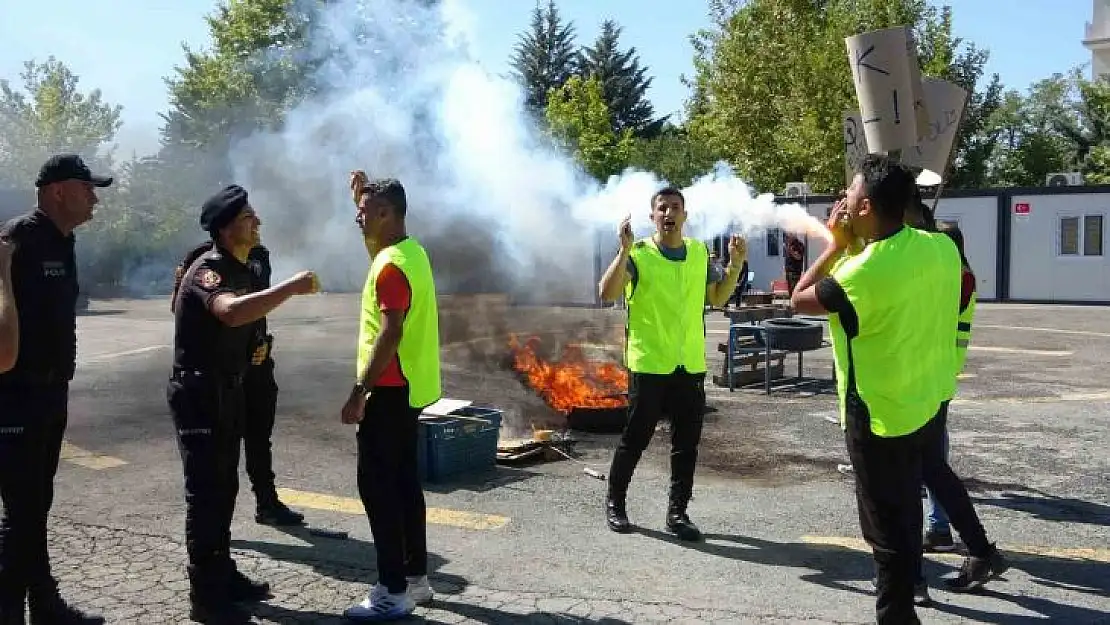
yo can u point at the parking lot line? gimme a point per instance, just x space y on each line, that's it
90 460
1053 330
1014 350
1065 553
351 505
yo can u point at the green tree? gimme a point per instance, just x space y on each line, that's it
673 155
50 115
579 121
772 81
544 57
624 81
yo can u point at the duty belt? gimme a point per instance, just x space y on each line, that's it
222 377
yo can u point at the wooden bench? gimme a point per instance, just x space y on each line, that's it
742 361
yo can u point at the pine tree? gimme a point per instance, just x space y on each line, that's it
624 82
544 56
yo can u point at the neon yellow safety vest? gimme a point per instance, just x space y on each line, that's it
666 309
963 333
418 351
898 356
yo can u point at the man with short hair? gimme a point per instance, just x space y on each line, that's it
397 375
666 280
34 394
893 310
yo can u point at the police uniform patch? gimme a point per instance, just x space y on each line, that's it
207 278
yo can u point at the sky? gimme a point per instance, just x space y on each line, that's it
127 52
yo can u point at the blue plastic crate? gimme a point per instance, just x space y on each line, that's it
464 441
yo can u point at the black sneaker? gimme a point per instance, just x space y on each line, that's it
975 572
277 513
937 542
681 526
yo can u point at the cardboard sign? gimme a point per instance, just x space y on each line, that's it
855 144
945 102
884 82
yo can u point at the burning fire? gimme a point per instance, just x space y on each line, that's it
573 381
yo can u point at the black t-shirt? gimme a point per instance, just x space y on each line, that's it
44 282
201 341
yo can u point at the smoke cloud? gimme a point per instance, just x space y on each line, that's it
496 205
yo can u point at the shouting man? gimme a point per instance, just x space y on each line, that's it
666 279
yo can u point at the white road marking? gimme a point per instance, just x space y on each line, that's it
1014 350
130 352
1054 330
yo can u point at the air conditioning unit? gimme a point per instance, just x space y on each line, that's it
797 189
1068 179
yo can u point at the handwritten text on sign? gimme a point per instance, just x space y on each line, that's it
883 81
945 102
855 144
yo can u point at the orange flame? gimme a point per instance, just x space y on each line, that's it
573 381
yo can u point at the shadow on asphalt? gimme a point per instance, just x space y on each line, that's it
343 559
837 567
278 614
1046 507
497 476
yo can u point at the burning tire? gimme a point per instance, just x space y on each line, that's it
792 334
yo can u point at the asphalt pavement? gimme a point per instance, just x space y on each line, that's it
1030 431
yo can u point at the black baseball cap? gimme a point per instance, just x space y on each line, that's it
62 167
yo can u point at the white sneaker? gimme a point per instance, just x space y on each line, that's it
380 605
420 590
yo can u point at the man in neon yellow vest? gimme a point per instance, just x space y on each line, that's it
397 375
666 280
892 309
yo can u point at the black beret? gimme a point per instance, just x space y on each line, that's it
222 208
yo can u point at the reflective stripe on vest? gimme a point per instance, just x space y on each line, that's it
963 333
418 351
666 309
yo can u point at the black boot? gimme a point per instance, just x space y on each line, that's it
680 525
271 511
616 515
210 599
47 607
243 588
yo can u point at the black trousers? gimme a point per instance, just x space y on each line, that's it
680 395
32 425
888 473
261 392
389 485
208 413
948 489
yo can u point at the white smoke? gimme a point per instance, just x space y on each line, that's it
402 97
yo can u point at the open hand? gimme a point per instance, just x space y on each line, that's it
260 354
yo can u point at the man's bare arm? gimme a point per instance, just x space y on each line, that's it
385 348
614 279
717 293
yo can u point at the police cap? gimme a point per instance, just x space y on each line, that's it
222 208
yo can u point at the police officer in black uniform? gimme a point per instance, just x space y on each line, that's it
34 395
261 392
215 316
